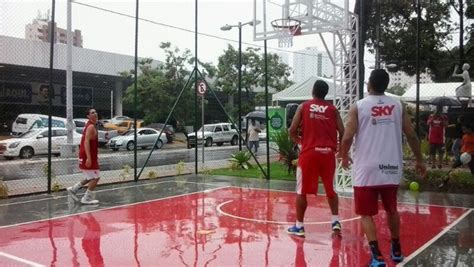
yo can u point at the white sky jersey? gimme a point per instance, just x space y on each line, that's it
378 143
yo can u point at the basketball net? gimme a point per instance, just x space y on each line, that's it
286 34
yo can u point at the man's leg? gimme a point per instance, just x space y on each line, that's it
327 169
389 201
72 190
366 205
301 205
433 155
441 151
393 220
370 230
93 177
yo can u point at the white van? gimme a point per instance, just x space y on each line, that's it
26 122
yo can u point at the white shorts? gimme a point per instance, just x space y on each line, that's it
91 174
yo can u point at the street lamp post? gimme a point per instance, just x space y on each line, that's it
228 27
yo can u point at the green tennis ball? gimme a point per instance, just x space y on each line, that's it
414 186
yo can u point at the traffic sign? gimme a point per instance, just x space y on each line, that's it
201 88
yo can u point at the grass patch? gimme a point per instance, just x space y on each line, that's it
278 171
461 181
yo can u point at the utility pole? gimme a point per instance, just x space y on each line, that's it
377 35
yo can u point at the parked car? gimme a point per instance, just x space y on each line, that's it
104 134
146 137
218 133
123 126
119 119
168 130
35 142
28 121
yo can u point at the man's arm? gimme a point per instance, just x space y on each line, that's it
295 124
414 143
349 133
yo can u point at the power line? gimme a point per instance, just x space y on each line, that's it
188 30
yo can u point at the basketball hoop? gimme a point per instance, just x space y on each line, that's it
286 29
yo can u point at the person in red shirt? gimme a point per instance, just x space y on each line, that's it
467 146
315 126
88 160
437 124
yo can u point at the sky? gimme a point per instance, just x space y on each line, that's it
114 33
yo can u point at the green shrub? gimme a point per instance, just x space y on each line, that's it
241 160
286 149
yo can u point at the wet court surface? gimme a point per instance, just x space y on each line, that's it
219 221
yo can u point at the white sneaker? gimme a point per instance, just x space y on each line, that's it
88 200
72 194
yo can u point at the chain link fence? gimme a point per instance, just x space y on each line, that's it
164 101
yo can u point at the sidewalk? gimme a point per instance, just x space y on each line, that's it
39 184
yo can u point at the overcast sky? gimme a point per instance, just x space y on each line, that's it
115 33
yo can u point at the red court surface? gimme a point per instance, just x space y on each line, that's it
229 226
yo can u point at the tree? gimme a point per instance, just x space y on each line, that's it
397 90
253 73
398 35
159 87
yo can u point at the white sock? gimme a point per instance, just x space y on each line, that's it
89 194
76 187
335 218
299 224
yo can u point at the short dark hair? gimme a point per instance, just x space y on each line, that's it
379 80
88 111
320 89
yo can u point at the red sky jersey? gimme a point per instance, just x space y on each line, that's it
318 125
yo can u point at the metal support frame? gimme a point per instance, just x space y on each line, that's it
321 16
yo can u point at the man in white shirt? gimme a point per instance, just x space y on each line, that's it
253 141
377 122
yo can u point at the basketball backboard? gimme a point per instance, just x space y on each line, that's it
287 18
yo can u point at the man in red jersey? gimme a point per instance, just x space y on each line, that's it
88 161
437 124
316 126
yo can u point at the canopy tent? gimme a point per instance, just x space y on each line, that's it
429 91
303 91
299 92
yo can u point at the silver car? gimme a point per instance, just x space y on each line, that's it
35 142
146 137
217 133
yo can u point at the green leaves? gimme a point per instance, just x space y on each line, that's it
286 149
241 160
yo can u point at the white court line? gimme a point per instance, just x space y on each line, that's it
219 209
427 244
18 259
114 207
100 190
399 202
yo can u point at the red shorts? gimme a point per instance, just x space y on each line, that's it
366 199
312 165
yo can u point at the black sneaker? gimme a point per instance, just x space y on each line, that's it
336 227
396 252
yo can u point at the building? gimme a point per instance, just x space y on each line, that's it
311 62
24 73
38 30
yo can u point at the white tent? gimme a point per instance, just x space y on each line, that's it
303 91
431 90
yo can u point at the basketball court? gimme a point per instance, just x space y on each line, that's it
220 221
